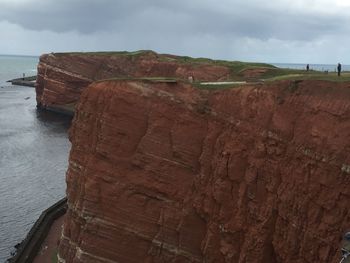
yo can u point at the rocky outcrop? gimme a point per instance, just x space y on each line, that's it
163 172
62 76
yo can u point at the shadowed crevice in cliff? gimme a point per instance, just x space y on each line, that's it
258 176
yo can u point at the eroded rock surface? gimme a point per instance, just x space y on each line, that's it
62 76
163 172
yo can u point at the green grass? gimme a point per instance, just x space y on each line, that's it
107 53
236 68
150 79
234 64
69 106
54 258
276 72
216 86
345 76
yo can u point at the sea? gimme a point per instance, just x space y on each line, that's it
34 149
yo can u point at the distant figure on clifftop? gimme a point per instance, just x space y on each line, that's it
307 67
339 69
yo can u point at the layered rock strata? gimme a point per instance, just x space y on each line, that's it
163 172
62 76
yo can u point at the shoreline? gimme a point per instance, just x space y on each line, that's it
29 248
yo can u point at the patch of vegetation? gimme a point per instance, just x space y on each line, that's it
107 53
216 86
237 69
68 107
294 86
277 72
235 66
345 76
54 258
150 79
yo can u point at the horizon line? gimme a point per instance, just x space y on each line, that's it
295 63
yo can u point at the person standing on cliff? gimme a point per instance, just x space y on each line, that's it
339 69
307 67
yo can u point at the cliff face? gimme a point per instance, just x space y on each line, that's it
62 77
162 172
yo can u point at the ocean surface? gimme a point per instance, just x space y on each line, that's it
33 155
318 67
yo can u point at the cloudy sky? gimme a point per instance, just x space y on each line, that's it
305 31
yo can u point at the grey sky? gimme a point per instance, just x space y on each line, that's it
313 31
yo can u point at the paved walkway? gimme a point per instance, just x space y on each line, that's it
48 248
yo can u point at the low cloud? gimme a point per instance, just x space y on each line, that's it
244 29
241 18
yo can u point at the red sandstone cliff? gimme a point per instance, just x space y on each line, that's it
162 172
62 76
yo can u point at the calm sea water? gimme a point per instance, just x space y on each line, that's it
33 155
318 67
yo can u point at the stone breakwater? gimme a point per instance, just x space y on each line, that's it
25 81
165 172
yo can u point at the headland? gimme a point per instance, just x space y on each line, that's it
166 167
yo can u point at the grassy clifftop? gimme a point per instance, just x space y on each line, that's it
239 71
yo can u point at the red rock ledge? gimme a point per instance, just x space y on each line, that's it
163 172
62 76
